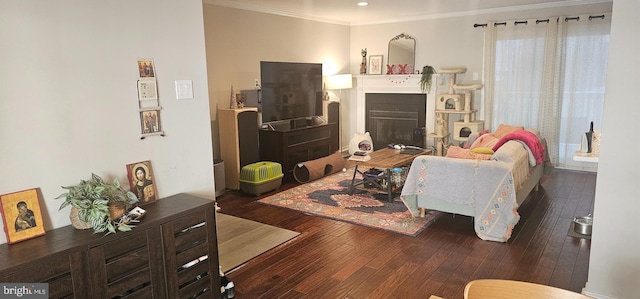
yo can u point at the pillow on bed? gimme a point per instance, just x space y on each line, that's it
462 153
482 150
472 137
506 129
486 140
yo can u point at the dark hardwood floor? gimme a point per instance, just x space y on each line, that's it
332 259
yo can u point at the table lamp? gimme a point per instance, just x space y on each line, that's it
340 82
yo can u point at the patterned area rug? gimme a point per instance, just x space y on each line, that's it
328 197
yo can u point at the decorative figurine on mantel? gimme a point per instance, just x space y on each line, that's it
363 64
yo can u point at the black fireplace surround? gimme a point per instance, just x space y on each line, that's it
396 118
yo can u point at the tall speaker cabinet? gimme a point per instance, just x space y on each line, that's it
331 114
238 130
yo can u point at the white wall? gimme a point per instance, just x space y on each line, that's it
614 262
68 104
237 40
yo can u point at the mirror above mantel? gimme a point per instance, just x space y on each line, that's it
401 55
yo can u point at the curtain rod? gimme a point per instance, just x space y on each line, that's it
567 19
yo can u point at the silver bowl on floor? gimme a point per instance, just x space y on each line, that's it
583 225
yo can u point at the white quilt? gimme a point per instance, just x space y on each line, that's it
487 185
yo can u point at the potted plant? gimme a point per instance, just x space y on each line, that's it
99 204
425 80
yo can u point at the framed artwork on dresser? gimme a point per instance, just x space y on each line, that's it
21 215
142 182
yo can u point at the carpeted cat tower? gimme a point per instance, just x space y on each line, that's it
312 170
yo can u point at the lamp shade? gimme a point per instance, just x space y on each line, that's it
341 81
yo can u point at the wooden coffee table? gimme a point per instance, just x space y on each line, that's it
384 159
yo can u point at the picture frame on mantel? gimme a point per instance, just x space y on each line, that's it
375 65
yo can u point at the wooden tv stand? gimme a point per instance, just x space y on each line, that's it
290 146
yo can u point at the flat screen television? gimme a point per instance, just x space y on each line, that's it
290 90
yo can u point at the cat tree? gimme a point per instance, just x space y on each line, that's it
456 101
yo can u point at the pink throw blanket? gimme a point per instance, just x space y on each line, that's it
529 138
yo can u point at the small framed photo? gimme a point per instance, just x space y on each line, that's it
375 65
142 182
146 68
147 90
150 120
21 215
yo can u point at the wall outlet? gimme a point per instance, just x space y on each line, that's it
257 83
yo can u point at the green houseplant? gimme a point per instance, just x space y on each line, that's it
99 203
425 80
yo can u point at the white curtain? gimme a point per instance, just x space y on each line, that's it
549 75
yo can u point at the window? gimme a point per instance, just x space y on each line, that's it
550 76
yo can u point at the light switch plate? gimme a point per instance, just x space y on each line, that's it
184 89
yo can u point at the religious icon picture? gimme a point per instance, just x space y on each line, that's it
145 68
150 121
142 182
21 215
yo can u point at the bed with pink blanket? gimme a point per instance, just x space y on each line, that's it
489 189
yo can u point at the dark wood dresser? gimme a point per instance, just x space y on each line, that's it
154 260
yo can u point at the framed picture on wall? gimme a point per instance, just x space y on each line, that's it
21 215
146 68
147 90
375 65
142 182
150 120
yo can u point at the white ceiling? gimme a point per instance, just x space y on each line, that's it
346 12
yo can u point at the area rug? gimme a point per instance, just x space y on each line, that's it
328 197
240 240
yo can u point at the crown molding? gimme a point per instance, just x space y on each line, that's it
558 4
263 9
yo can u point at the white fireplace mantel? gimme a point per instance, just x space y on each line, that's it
390 84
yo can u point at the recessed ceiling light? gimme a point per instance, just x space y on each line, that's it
363 3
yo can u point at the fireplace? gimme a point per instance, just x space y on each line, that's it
396 118
392 85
